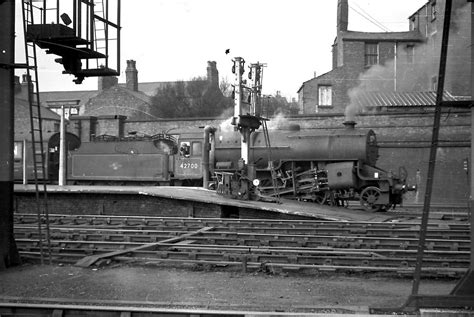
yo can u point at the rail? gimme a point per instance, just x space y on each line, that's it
264 245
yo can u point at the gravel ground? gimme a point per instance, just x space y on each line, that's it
195 288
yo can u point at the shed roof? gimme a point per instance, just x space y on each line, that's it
399 99
48 98
407 36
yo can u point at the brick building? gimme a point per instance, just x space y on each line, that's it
119 100
113 102
428 21
50 122
131 99
390 61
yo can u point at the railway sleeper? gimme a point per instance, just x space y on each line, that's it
250 262
309 242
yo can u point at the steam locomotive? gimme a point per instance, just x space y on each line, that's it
327 167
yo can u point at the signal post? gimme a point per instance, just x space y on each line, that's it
244 121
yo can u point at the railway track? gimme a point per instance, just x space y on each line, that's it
267 245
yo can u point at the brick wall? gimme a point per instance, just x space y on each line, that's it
340 79
116 204
404 140
138 205
110 125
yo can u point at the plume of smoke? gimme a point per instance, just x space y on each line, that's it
277 122
376 78
226 126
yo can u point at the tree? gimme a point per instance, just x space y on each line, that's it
273 105
226 88
194 98
169 101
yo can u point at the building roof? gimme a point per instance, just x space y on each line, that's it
333 73
46 113
145 92
149 88
50 98
399 99
138 94
408 36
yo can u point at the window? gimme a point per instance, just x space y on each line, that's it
371 54
185 149
413 24
433 10
73 110
197 148
410 54
325 96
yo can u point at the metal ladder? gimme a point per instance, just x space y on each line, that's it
39 155
100 29
270 162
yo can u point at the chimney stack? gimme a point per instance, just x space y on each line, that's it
131 75
26 83
212 74
342 15
17 84
24 78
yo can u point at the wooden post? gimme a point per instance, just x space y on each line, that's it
62 151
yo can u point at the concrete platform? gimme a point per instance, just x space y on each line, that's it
288 209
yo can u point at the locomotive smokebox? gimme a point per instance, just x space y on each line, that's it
349 124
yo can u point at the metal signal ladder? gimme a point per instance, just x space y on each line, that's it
39 154
100 29
270 162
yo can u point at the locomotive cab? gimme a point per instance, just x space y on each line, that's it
188 161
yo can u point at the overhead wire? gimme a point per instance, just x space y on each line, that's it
369 18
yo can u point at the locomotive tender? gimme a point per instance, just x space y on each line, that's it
327 167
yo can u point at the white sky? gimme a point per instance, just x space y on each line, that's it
173 39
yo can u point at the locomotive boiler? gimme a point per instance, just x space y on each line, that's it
327 167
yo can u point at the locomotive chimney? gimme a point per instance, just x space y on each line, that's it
349 124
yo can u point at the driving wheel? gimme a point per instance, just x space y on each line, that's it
369 197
